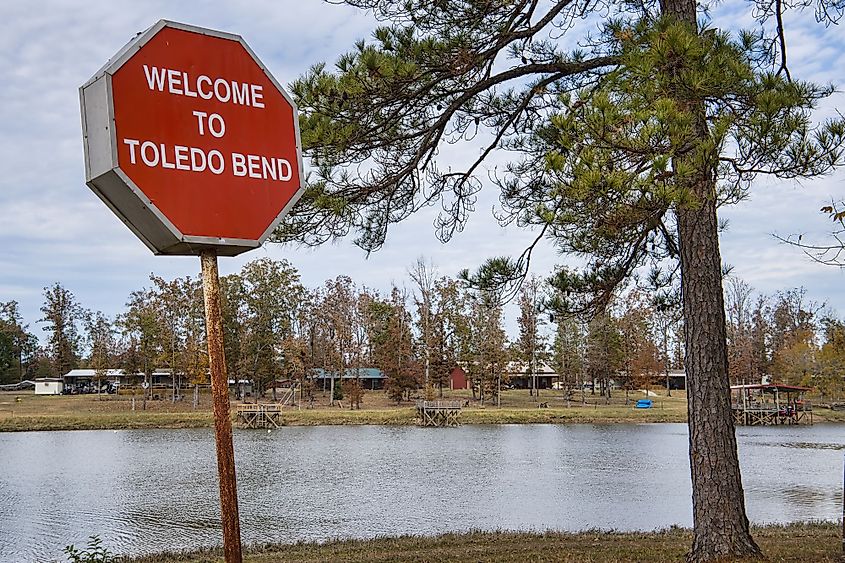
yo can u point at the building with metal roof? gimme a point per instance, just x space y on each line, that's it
372 378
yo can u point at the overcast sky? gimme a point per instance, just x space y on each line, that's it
53 228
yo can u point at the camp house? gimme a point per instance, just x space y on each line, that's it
676 378
517 375
520 375
370 378
86 381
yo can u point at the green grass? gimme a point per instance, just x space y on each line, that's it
827 415
106 421
814 542
401 416
573 415
25 411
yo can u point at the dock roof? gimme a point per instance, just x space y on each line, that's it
352 373
771 387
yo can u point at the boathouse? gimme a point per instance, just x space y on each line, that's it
770 404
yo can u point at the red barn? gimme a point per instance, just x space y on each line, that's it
458 379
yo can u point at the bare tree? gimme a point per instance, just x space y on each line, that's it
423 275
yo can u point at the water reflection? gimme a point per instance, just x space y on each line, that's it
145 491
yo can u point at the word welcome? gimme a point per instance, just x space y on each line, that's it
179 83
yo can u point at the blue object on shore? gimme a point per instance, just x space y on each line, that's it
644 404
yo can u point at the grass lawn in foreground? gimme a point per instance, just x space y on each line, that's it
810 543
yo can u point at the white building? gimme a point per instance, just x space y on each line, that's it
49 386
77 377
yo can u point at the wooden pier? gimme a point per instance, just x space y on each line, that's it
438 413
259 415
770 405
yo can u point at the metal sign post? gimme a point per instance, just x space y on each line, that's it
220 401
194 145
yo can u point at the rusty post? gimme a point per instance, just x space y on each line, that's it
220 400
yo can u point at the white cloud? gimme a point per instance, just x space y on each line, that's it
54 229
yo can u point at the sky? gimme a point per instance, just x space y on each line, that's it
54 229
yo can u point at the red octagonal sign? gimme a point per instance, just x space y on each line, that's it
191 141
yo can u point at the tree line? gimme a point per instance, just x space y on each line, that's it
277 329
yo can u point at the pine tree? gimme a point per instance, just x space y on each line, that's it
531 347
272 294
605 354
568 353
487 355
630 144
101 338
18 347
63 316
145 342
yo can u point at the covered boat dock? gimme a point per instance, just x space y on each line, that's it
770 404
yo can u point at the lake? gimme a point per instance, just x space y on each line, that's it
152 490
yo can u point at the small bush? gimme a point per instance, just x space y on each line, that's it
338 392
95 552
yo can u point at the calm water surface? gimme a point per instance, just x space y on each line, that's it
151 490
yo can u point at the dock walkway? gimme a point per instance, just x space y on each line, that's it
438 413
259 415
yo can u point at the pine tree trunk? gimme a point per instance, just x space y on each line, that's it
720 524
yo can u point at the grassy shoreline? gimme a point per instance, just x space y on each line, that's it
395 417
20 412
817 542
383 417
